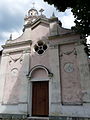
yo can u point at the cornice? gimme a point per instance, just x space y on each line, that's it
17 43
53 19
51 37
38 22
64 39
25 50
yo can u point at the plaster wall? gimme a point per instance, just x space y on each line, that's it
17 48
13 93
39 74
37 33
84 73
74 110
40 59
69 88
70 76
15 66
55 81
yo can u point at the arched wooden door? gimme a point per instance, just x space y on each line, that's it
40 98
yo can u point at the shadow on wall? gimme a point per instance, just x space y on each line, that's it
15 97
16 82
15 94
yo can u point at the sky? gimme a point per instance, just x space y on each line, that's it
12 13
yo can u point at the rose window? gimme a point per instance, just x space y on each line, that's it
40 47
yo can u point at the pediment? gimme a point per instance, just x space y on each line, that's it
37 22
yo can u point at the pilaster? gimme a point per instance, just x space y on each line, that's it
55 90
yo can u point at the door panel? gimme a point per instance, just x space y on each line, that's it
40 99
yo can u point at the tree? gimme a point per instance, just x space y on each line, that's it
81 12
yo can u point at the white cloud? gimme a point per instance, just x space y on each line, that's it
88 40
12 16
16 34
67 19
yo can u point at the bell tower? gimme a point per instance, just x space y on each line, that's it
31 16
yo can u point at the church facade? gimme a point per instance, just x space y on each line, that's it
44 73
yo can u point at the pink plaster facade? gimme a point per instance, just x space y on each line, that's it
39 74
12 82
70 76
61 64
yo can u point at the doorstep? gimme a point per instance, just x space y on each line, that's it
38 118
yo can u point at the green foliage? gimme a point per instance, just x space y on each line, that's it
81 12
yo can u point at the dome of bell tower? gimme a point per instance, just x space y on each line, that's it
32 12
31 16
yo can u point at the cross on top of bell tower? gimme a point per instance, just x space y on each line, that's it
32 15
33 11
33 4
41 11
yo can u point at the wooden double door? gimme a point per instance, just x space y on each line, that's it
40 98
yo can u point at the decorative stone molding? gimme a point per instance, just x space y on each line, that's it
14 43
53 46
5 54
24 50
14 72
64 39
40 47
54 19
68 67
69 52
38 67
16 58
36 23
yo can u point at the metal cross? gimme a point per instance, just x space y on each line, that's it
41 11
33 4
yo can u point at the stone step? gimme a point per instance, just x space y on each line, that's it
38 118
